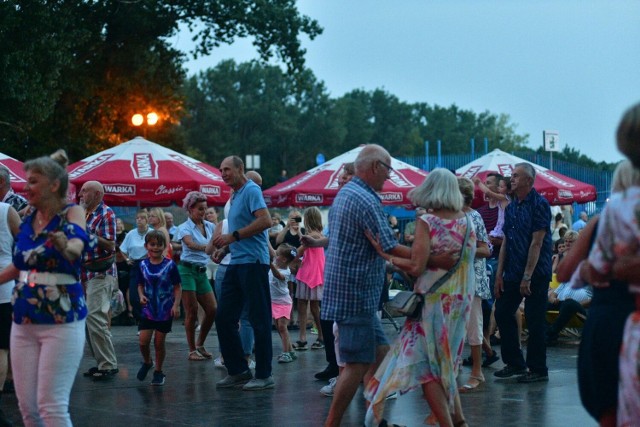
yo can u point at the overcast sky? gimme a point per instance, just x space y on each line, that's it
566 65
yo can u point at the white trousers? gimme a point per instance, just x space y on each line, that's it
45 362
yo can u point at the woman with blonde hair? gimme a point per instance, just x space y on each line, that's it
49 307
428 351
159 223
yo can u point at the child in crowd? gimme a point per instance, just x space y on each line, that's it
309 280
501 198
281 302
159 290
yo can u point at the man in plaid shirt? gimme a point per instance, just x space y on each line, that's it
99 280
355 275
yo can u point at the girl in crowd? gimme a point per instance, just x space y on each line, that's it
502 198
194 235
309 280
49 311
428 350
133 249
279 276
158 222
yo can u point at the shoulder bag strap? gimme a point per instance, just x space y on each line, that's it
441 281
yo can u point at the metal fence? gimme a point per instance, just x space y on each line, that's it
598 178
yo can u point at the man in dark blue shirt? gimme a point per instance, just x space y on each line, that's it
524 270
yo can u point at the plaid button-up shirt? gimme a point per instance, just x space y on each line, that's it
101 222
354 273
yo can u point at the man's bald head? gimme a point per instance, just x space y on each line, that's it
91 194
373 165
254 176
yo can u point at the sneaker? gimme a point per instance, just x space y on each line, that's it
510 371
218 362
328 389
234 380
300 346
314 330
533 377
285 358
293 355
158 378
144 370
490 360
259 384
318 345
252 364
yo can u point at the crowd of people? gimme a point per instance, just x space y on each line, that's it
479 274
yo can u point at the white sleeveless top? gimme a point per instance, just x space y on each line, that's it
6 249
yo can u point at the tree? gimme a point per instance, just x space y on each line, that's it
80 69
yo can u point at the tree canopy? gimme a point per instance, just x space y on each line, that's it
74 72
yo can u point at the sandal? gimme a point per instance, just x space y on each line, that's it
204 352
195 356
469 387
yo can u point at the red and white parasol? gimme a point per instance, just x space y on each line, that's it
16 172
143 173
555 187
319 186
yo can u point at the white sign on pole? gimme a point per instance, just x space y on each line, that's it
252 161
551 140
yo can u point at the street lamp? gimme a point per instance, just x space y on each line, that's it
139 120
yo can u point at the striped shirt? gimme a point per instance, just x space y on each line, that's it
354 273
101 222
565 292
521 219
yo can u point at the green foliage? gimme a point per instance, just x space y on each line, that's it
74 72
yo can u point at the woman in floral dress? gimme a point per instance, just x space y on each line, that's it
49 308
427 352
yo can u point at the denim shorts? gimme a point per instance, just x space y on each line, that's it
359 337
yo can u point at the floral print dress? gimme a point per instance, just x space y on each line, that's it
430 349
42 304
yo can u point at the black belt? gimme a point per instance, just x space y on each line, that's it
197 267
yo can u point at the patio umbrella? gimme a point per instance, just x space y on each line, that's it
319 186
16 172
555 187
143 173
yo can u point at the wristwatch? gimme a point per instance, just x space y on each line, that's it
526 278
236 235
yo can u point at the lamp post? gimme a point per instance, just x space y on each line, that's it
139 120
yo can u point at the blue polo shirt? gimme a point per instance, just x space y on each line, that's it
521 220
354 272
244 203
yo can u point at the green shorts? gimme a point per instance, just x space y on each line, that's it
194 278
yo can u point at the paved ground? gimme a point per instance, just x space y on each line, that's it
190 398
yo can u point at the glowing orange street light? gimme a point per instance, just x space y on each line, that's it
138 120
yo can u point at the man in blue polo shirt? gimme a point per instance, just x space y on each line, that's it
524 270
246 279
